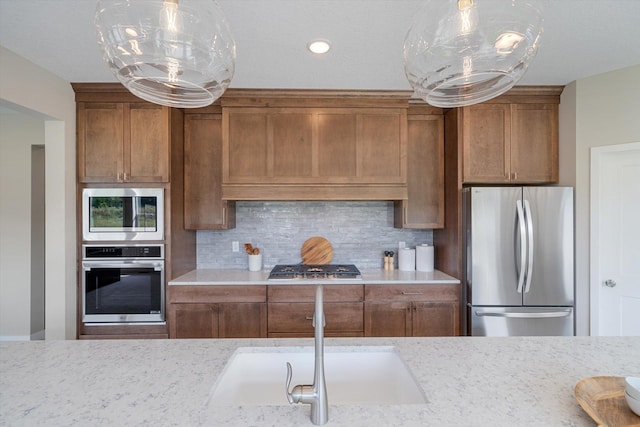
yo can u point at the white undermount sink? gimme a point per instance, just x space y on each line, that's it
354 375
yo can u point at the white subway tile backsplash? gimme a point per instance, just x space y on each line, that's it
359 232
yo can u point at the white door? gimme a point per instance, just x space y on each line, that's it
615 240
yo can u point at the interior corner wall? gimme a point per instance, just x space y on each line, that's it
607 112
18 133
36 90
567 177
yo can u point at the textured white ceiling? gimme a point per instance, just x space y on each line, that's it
581 38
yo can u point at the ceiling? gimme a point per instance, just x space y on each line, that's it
581 38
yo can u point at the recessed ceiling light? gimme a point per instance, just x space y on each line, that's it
319 46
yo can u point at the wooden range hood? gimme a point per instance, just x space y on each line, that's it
314 145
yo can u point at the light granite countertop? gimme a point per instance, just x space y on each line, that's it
369 277
469 381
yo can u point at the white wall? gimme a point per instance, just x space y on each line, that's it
38 92
18 132
606 112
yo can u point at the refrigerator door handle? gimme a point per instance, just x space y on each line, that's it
523 245
529 273
521 315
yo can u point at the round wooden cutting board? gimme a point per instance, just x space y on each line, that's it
316 250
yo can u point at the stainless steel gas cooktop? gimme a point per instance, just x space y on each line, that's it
306 271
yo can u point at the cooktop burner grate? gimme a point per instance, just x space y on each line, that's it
304 271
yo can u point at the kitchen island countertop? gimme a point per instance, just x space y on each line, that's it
369 277
469 381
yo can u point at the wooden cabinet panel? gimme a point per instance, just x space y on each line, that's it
435 319
380 142
243 320
297 318
204 208
223 320
217 311
247 156
219 293
147 154
123 142
514 143
387 319
424 209
100 142
412 310
336 145
292 144
534 146
194 321
307 293
291 309
486 141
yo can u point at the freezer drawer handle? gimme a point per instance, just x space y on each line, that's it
536 315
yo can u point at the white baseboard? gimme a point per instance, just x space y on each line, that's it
36 336
15 338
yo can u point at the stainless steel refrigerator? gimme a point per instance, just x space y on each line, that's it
519 260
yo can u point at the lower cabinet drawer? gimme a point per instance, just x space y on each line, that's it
342 319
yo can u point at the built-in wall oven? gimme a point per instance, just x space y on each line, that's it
123 284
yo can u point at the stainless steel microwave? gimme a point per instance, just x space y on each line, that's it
122 214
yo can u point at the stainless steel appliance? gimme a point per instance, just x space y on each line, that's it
123 284
519 260
309 271
122 214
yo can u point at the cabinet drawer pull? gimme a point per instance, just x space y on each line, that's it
411 293
308 318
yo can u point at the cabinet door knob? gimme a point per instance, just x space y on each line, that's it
610 283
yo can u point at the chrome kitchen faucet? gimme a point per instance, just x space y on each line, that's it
315 394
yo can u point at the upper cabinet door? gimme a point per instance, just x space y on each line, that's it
122 142
204 208
424 209
534 143
381 139
510 143
100 142
486 143
147 136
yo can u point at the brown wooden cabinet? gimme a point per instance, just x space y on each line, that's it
123 142
304 148
217 311
218 320
281 311
203 204
424 208
412 310
510 143
291 308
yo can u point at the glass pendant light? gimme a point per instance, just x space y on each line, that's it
178 53
462 52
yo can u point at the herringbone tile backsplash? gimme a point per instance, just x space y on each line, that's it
359 231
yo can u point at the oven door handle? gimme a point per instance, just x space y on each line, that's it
157 266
